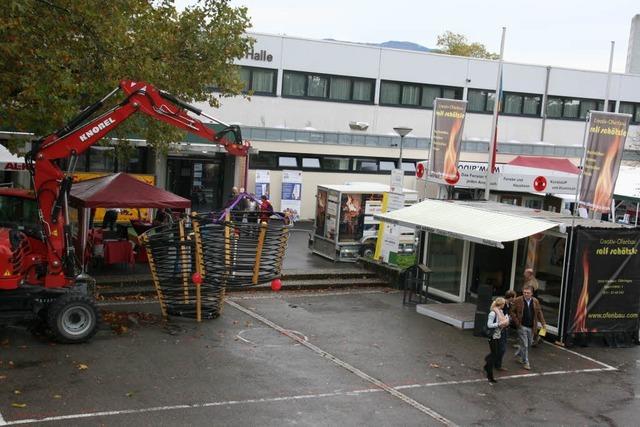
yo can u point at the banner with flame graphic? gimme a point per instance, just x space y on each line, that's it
446 138
605 142
604 294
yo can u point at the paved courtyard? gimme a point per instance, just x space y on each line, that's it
351 357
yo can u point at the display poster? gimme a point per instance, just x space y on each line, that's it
291 195
396 185
372 206
321 212
263 183
351 217
124 214
606 135
605 282
446 140
331 216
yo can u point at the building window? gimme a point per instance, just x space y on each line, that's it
521 104
335 163
574 108
259 81
390 93
294 84
332 88
311 162
480 100
365 165
287 162
340 88
263 160
633 109
415 95
386 165
317 86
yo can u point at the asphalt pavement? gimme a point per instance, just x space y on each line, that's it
322 358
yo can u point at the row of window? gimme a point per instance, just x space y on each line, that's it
263 81
268 160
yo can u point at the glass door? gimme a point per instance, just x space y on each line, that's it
491 266
446 256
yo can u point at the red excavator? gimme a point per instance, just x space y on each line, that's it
39 275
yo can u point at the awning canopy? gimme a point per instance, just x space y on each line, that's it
547 163
628 184
123 191
486 226
10 162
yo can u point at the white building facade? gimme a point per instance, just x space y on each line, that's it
328 109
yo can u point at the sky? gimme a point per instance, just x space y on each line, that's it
563 33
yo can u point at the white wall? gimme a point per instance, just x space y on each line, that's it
310 182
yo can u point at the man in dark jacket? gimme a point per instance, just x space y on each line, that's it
526 314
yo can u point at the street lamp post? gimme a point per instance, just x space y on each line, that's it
402 131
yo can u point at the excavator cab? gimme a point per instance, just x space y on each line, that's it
19 211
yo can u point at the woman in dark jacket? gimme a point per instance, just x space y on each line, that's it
496 322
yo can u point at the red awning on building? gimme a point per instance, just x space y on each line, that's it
561 165
123 191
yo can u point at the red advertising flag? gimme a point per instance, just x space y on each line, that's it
606 135
446 138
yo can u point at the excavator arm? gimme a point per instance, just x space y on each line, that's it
52 185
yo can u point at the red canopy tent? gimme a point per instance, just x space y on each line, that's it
119 190
561 165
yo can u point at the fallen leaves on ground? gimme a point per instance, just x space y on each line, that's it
434 365
82 367
122 321
19 405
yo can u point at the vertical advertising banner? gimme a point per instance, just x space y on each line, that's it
605 141
291 193
446 138
605 285
263 183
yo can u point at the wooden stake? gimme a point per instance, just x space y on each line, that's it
199 266
184 259
256 263
156 280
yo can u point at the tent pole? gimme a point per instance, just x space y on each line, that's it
86 218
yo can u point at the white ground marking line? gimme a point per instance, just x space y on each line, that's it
277 399
187 406
419 406
249 342
506 377
590 359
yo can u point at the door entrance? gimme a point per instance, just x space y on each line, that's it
200 180
490 266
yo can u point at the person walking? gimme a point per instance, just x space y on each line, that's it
509 296
497 322
526 314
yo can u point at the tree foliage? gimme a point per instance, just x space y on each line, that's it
457 44
58 56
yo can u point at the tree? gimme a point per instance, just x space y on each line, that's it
58 56
457 44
